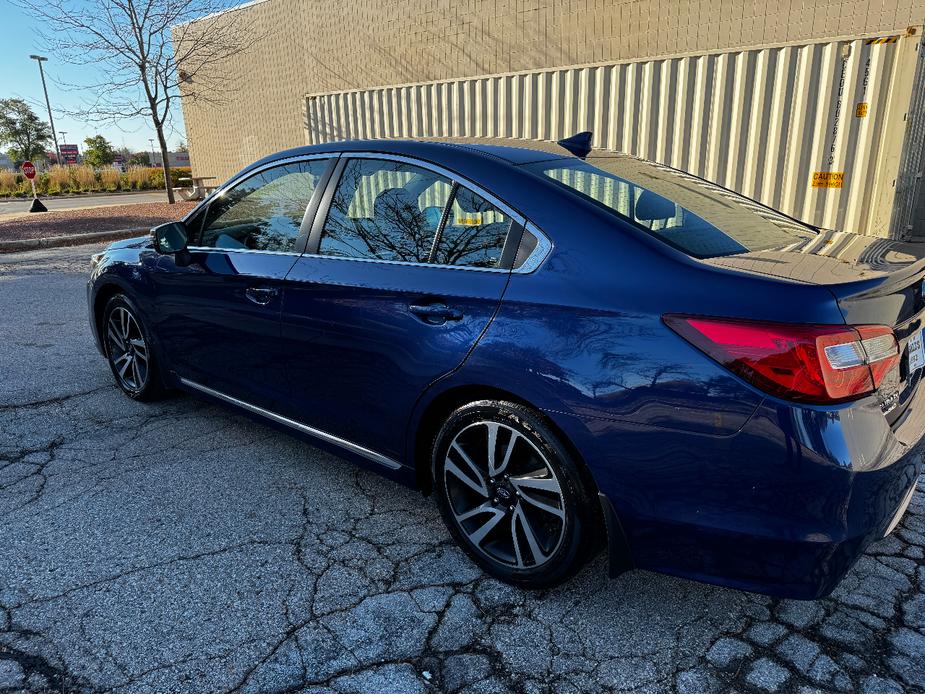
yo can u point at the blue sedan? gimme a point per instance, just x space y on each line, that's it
568 348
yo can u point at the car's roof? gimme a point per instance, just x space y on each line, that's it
515 152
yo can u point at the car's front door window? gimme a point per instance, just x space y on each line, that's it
264 212
385 210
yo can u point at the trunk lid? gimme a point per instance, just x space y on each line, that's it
875 281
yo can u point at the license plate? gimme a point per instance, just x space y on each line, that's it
916 347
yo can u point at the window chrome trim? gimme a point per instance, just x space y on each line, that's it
232 182
539 254
412 263
213 249
311 431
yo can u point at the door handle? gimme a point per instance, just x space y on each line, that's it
261 295
435 314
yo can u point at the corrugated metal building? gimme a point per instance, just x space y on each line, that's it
816 109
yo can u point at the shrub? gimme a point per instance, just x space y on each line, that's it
155 178
178 173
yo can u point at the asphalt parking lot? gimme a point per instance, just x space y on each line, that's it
182 547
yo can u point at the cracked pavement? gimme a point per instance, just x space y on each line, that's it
181 547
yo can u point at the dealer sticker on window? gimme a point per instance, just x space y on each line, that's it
916 347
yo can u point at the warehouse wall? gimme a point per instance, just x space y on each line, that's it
314 46
814 130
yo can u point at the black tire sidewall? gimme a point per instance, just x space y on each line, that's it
152 387
572 550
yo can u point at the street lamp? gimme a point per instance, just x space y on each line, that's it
151 142
41 59
62 133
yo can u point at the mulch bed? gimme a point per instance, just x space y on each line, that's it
68 222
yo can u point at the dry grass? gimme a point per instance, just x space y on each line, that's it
58 179
9 183
109 179
138 177
83 178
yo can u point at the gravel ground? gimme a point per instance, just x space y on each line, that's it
181 547
111 218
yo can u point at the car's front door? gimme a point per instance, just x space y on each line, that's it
218 315
398 282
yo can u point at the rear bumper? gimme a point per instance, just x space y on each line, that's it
785 506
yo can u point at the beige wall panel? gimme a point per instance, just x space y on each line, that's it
763 122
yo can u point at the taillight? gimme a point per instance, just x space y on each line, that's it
806 363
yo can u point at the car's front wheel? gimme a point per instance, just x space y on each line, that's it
511 494
128 350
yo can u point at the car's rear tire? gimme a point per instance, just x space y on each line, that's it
512 495
129 350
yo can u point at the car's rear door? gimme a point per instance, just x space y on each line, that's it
404 271
218 311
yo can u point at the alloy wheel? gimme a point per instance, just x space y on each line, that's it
504 495
128 351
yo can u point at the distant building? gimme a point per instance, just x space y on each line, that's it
5 162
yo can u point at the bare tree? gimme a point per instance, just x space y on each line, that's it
144 52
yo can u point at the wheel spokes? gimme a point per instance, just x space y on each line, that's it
508 451
136 374
114 336
538 555
492 444
487 527
478 484
557 512
126 360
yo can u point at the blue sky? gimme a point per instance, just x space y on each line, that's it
19 77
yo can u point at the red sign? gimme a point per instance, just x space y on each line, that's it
69 154
28 170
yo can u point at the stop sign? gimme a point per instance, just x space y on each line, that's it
28 170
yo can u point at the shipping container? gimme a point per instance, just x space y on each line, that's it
832 133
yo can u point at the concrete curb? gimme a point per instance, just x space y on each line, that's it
19 245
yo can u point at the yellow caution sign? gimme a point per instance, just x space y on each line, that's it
469 219
828 179
861 110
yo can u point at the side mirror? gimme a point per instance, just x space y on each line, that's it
170 237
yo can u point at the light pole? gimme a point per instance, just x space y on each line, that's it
151 142
62 133
41 59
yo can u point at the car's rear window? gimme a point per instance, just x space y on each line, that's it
694 216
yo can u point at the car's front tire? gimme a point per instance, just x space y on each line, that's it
129 350
511 494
